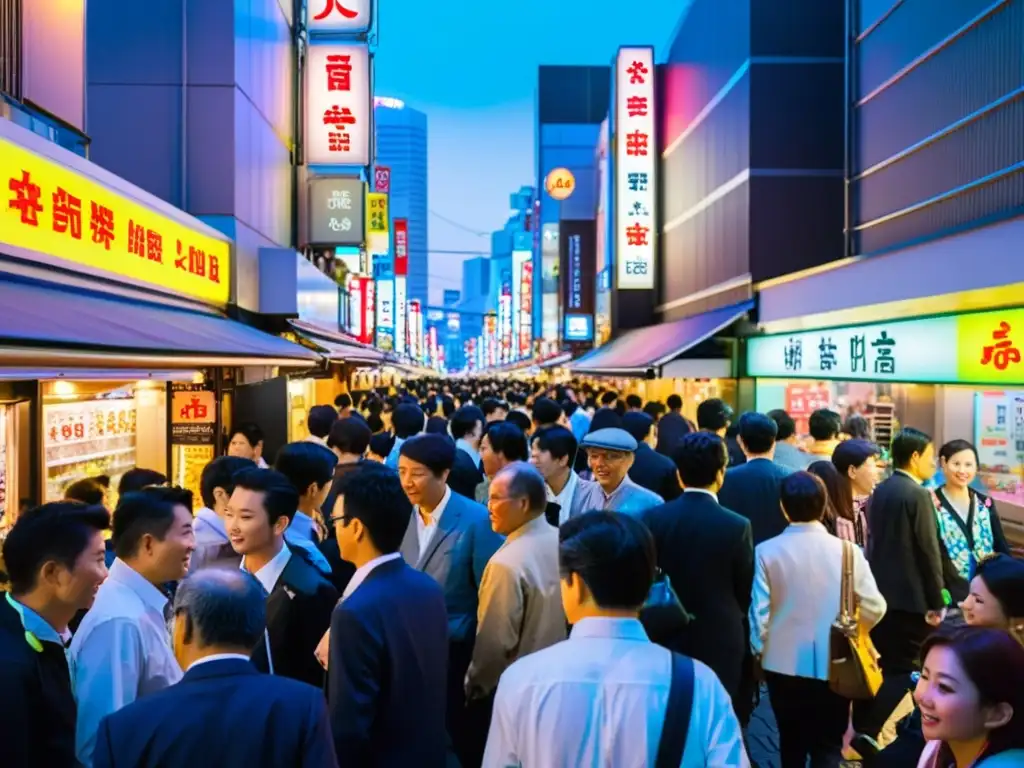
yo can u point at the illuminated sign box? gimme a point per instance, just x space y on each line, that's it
338 106
976 348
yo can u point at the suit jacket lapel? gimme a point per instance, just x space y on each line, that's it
449 522
410 548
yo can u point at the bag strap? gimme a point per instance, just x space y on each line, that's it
846 589
677 714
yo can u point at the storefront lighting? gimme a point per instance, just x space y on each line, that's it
63 388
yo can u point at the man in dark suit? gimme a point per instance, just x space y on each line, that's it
903 551
223 712
388 654
752 489
467 427
300 599
671 427
707 552
650 469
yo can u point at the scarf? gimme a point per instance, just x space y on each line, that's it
952 532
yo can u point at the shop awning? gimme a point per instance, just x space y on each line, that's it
339 347
44 325
641 350
558 360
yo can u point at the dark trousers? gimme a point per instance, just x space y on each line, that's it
897 638
811 718
462 719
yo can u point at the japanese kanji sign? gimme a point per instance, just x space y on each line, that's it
382 179
338 16
65 215
975 348
336 211
376 213
339 111
636 162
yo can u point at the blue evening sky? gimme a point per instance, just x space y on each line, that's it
471 66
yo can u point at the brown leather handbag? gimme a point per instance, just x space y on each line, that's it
853 666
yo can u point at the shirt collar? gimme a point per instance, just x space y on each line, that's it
40 627
148 592
217 657
442 505
364 570
318 440
605 626
705 491
525 528
904 472
626 483
567 490
271 572
473 453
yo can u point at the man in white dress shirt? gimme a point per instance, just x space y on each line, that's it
599 698
122 650
553 452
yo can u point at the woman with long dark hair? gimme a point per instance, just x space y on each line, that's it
971 697
856 462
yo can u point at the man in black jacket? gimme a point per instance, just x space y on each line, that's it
300 599
707 552
752 489
672 427
903 551
54 558
650 469
467 427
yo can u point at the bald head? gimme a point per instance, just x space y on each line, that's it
522 480
223 608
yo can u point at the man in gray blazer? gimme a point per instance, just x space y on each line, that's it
449 538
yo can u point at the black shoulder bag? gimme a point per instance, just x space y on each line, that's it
677 714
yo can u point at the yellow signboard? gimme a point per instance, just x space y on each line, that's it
56 211
376 213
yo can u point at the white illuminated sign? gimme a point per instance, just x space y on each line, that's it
334 16
635 167
339 115
386 304
519 301
401 316
355 313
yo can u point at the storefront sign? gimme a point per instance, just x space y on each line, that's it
355 307
976 348
432 346
336 211
65 215
579 327
560 184
339 112
382 179
338 16
416 329
525 310
369 296
401 316
636 161
505 316
386 304
520 257
193 415
376 213
577 266
401 247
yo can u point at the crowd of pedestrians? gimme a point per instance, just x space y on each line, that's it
500 574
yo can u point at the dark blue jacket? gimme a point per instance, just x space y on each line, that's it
387 671
752 490
223 713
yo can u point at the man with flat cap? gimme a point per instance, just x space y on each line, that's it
610 454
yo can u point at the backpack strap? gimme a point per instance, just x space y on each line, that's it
677 714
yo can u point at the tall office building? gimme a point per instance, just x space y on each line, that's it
402 147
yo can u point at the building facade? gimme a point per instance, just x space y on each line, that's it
402 147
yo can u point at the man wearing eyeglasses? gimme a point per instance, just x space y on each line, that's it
610 454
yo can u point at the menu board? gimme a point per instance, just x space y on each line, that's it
85 439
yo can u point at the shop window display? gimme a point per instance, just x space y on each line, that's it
999 438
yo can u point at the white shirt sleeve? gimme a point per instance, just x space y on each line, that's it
501 748
724 736
872 604
760 605
108 666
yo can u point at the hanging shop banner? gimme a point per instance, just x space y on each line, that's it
505 316
355 307
432 346
576 266
635 168
975 348
386 314
382 179
401 247
193 415
401 316
347 17
69 217
525 331
368 291
336 211
339 110
376 213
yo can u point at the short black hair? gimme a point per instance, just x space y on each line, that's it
342 401
492 404
757 431
953 447
546 412
136 479
608 398
785 423
382 443
699 457
714 414
508 440
824 424
226 607
58 531
350 436
613 553
320 419
803 497
638 424
375 422
280 499
146 512
558 441
634 401
250 431
373 495
569 407
674 402
519 419
906 443
305 463
407 420
218 474
435 452
465 419
437 425
85 491
654 409
447 407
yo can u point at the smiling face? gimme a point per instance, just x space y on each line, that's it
960 469
248 523
951 707
77 587
981 608
609 467
173 555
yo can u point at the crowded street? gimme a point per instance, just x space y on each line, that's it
612 387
